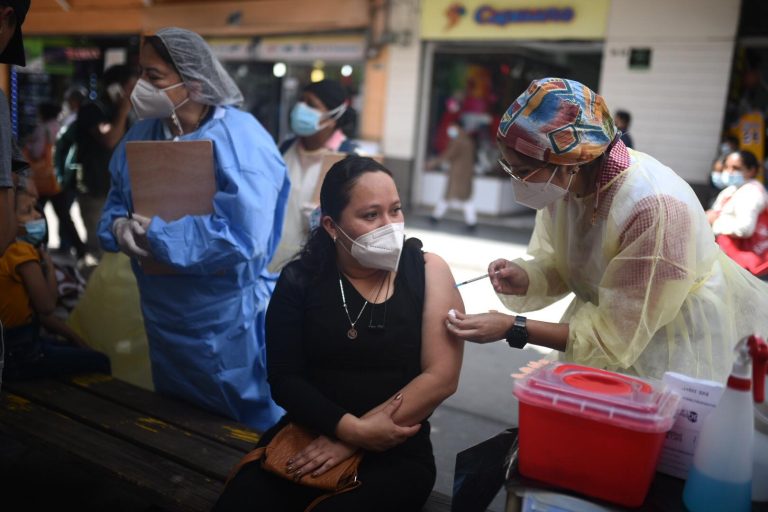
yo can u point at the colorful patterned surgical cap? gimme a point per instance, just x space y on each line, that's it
558 121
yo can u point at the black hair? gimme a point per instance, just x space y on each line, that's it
333 94
48 110
624 116
749 159
162 51
76 94
732 139
118 74
318 254
13 18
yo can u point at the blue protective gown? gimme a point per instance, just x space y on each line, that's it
205 325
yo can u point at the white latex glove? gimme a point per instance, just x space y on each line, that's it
144 222
126 231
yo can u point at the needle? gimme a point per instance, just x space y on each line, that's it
472 280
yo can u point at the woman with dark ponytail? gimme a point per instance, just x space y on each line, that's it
357 352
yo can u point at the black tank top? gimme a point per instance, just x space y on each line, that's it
359 374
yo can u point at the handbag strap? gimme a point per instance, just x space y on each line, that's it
323 497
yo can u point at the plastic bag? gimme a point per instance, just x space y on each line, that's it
108 317
480 472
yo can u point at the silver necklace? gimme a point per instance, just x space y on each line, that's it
352 332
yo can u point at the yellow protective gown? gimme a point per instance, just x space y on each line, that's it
653 291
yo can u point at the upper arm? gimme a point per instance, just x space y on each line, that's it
441 351
37 287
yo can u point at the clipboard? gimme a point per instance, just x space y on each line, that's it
170 179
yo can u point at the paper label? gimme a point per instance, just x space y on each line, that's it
699 398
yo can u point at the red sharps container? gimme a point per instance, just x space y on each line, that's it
593 431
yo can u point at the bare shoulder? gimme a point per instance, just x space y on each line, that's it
434 261
437 269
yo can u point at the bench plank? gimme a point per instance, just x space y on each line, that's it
164 483
201 454
167 452
169 410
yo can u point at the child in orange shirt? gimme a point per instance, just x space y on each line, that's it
29 286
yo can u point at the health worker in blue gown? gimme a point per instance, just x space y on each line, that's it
205 321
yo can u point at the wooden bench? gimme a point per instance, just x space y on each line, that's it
150 452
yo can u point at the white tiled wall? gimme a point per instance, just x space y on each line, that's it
677 105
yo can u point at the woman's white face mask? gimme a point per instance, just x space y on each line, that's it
149 102
380 248
539 195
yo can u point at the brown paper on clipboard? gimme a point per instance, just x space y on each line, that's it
170 179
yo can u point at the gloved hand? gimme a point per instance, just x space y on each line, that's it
126 231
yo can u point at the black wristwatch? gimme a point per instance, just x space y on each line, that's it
517 335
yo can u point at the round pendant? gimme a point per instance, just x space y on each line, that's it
352 333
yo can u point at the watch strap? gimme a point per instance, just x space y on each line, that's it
517 335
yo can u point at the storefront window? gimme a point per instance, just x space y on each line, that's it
477 85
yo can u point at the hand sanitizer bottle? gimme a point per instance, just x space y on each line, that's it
721 475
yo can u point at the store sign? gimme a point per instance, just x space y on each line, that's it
56 55
513 19
233 49
640 58
290 49
311 48
487 15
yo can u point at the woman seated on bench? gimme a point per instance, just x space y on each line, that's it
738 216
28 299
357 352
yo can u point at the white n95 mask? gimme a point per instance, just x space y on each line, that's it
380 248
538 195
149 102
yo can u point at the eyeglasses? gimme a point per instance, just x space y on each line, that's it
519 176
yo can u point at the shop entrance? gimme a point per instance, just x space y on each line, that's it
474 83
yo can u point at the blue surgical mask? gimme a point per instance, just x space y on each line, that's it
453 132
36 231
305 120
717 180
733 179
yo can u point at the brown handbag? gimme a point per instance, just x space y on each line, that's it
288 442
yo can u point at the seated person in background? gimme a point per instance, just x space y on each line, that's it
716 179
735 213
358 352
29 286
